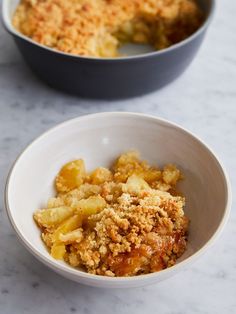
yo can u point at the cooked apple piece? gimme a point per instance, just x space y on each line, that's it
171 174
58 250
89 190
55 202
91 205
100 175
151 175
83 192
73 236
69 225
126 165
129 164
71 176
162 186
135 184
52 217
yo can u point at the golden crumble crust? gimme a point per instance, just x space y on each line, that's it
116 228
98 27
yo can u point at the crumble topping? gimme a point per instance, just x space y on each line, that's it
98 28
116 222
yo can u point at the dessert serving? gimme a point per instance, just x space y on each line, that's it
124 221
98 28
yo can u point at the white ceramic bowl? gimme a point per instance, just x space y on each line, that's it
98 139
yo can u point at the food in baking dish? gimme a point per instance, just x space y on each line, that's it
98 28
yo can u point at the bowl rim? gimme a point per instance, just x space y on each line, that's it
63 268
9 27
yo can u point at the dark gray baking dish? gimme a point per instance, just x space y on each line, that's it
108 78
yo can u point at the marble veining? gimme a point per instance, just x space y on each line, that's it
202 100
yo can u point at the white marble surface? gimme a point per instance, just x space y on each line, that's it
202 100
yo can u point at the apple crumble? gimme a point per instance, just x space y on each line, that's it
98 28
120 222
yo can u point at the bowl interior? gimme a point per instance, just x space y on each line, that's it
9 7
99 139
